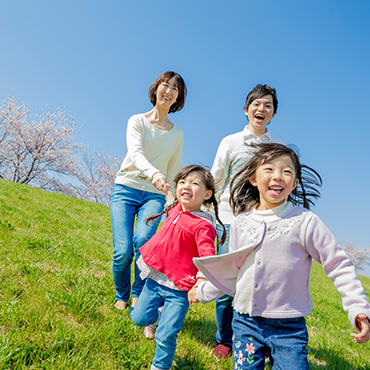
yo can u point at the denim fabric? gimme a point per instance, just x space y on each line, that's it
285 339
224 309
176 305
126 203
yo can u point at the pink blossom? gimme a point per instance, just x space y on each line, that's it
39 150
250 348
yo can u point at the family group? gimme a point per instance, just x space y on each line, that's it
254 206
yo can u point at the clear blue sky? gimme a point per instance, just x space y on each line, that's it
96 60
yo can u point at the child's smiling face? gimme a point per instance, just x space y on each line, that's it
275 180
260 112
191 192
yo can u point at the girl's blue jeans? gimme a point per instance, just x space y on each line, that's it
145 313
285 339
126 203
224 309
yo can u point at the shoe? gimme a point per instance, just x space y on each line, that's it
221 352
120 305
149 332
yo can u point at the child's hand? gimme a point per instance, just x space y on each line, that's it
192 295
159 182
364 325
169 195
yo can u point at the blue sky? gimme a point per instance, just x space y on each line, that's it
96 60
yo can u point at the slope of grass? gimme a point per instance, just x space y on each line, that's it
57 293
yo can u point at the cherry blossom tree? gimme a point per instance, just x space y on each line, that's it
359 257
33 149
96 177
39 150
9 114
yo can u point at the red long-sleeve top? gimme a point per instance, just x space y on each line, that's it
183 236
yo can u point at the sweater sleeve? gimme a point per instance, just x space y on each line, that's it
174 164
323 247
220 168
207 292
205 236
135 149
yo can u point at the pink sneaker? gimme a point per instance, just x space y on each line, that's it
149 332
221 352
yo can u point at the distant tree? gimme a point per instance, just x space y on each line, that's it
359 257
9 113
35 149
40 151
96 174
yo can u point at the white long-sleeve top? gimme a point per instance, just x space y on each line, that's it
150 150
232 154
269 264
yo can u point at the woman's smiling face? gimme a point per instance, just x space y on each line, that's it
167 93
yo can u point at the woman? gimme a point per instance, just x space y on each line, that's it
154 154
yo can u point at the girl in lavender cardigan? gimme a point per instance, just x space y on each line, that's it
272 243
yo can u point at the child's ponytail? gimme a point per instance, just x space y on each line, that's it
169 204
215 207
306 191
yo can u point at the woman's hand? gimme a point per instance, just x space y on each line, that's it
160 183
363 323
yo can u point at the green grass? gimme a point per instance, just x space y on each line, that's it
57 294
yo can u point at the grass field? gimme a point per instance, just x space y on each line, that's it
57 294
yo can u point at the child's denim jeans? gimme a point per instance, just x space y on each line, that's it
176 305
284 339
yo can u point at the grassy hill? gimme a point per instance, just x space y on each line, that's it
57 293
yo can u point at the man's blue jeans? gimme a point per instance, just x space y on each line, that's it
285 339
126 203
145 313
224 309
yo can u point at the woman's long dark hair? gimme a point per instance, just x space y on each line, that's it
209 183
244 196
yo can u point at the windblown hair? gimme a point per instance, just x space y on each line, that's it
258 92
244 196
165 77
209 183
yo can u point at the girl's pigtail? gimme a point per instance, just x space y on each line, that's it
243 195
306 192
215 207
167 207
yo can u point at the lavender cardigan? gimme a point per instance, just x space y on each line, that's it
283 249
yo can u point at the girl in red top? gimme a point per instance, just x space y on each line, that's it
166 261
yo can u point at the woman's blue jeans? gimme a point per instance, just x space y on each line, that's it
145 313
224 309
285 339
126 203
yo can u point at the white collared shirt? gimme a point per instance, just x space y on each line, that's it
233 153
